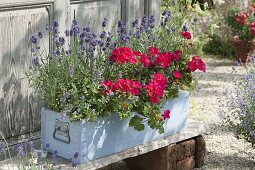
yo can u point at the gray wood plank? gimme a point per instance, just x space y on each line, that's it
92 13
19 107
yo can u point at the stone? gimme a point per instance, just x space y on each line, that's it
185 149
200 151
186 164
155 160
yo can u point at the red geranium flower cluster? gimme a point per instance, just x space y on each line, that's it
177 74
242 18
186 34
124 85
164 59
123 55
128 86
196 63
155 89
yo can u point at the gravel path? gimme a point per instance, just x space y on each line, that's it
224 151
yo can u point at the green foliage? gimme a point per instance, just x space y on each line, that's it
218 46
69 83
136 122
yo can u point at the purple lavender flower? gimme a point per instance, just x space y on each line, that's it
144 21
103 34
35 61
20 149
55 23
94 43
74 163
58 53
151 37
86 29
32 50
67 33
185 28
39 156
61 41
34 39
82 35
105 22
135 23
40 35
75 22
100 43
49 27
76 30
108 39
31 145
166 13
71 33
76 155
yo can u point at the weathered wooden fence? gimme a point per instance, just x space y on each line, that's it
19 19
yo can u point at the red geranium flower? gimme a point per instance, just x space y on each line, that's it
186 34
122 55
128 86
155 89
108 87
145 60
177 74
166 114
196 63
153 51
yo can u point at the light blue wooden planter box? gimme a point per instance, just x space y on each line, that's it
107 136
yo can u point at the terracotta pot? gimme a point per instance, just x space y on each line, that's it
242 49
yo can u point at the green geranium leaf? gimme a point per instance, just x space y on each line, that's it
136 122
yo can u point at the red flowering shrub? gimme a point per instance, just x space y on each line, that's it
242 22
242 18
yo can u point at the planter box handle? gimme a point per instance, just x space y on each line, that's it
61 131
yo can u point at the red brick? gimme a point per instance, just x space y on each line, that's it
200 151
186 164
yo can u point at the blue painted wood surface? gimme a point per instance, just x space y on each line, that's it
109 135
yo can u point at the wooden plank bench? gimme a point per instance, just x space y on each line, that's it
183 150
